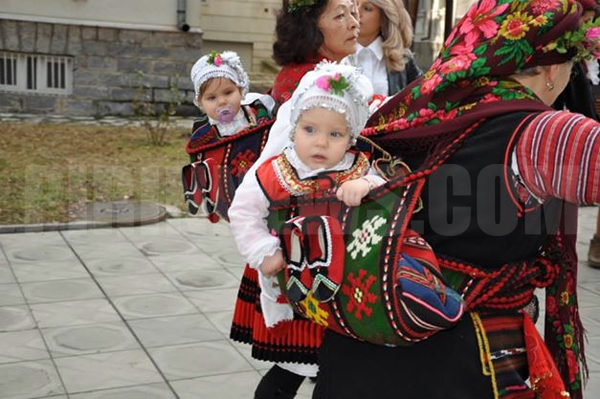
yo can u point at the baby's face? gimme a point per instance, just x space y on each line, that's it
321 138
221 99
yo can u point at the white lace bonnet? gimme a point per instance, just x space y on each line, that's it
219 65
340 88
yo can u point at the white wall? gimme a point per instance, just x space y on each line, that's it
461 7
248 22
137 14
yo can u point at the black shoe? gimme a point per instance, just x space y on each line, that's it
278 383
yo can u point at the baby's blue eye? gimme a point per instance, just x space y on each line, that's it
336 134
309 129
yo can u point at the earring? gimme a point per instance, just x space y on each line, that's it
549 85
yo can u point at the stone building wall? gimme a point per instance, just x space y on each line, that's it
112 67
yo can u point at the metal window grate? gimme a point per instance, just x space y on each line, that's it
8 70
58 73
36 73
31 73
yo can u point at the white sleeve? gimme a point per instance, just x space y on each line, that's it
374 177
268 102
279 138
265 99
250 97
247 220
249 208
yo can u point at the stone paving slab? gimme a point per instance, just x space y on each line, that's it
144 313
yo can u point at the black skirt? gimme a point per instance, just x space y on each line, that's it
446 366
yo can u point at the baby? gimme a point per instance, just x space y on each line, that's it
221 86
328 110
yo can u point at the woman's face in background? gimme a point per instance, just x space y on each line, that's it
339 26
370 22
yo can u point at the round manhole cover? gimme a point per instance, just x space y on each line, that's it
124 213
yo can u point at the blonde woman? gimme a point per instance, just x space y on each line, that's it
386 34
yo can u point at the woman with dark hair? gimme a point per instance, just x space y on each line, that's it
307 32
502 176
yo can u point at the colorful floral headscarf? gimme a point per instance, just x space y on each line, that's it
470 79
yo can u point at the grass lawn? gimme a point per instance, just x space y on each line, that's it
48 172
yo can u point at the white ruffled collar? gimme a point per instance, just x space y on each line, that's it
304 171
238 123
376 47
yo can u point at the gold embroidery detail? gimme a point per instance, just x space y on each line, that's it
298 187
536 388
484 352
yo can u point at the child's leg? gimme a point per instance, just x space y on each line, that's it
278 383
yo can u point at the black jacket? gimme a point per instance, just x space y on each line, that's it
399 80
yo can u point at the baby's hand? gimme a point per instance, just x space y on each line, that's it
272 264
351 192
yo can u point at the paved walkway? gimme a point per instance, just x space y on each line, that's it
144 312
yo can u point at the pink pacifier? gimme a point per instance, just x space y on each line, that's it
225 114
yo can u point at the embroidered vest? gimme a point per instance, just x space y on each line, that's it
347 267
218 164
480 197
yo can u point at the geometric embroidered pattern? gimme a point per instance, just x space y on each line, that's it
365 237
359 294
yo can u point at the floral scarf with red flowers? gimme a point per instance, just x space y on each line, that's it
471 81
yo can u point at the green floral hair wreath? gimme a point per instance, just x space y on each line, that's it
214 58
585 40
295 5
335 84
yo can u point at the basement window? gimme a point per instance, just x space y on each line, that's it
36 73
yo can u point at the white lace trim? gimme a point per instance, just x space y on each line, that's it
304 171
238 123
